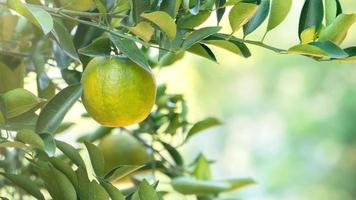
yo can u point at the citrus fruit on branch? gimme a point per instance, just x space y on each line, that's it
117 92
123 149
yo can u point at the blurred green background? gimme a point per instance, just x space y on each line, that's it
289 121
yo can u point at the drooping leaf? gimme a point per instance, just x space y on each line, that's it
90 190
174 153
99 47
311 16
66 169
331 49
96 158
170 6
49 144
113 192
31 138
58 185
71 153
19 101
121 171
240 14
26 184
229 43
53 113
24 121
71 76
307 49
35 15
163 21
220 9
203 51
337 31
189 186
199 35
203 125
130 49
258 18
64 39
279 11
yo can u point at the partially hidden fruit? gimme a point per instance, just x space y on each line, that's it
123 149
11 77
117 92
79 5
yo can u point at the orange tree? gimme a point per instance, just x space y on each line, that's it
106 52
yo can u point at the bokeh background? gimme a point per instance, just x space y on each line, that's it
289 121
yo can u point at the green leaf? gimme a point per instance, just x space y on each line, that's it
258 18
130 49
90 190
137 8
63 127
331 49
143 30
203 125
170 6
64 39
53 113
25 121
57 183
202 168
96 135
71 77
99 47
279 11
330 11
238 183
240 14
11 77
199 35
49 143
325 49
113 192
220 10
66 169
203 51
35 15
121 171
26 184
311 16
19 101
191 21
351 51
174 153
229 43
101 6
189 186
96 158
145 192
71 153
163 21
31 138
337 31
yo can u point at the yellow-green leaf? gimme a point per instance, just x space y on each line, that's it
337 30
240 14
308 35
163 21
7 26
307 49
35 15
191 21
143 30
31 138
279 11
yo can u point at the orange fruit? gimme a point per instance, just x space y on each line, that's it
117 92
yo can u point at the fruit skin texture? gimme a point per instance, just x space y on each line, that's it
123 149
117 92
79 5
